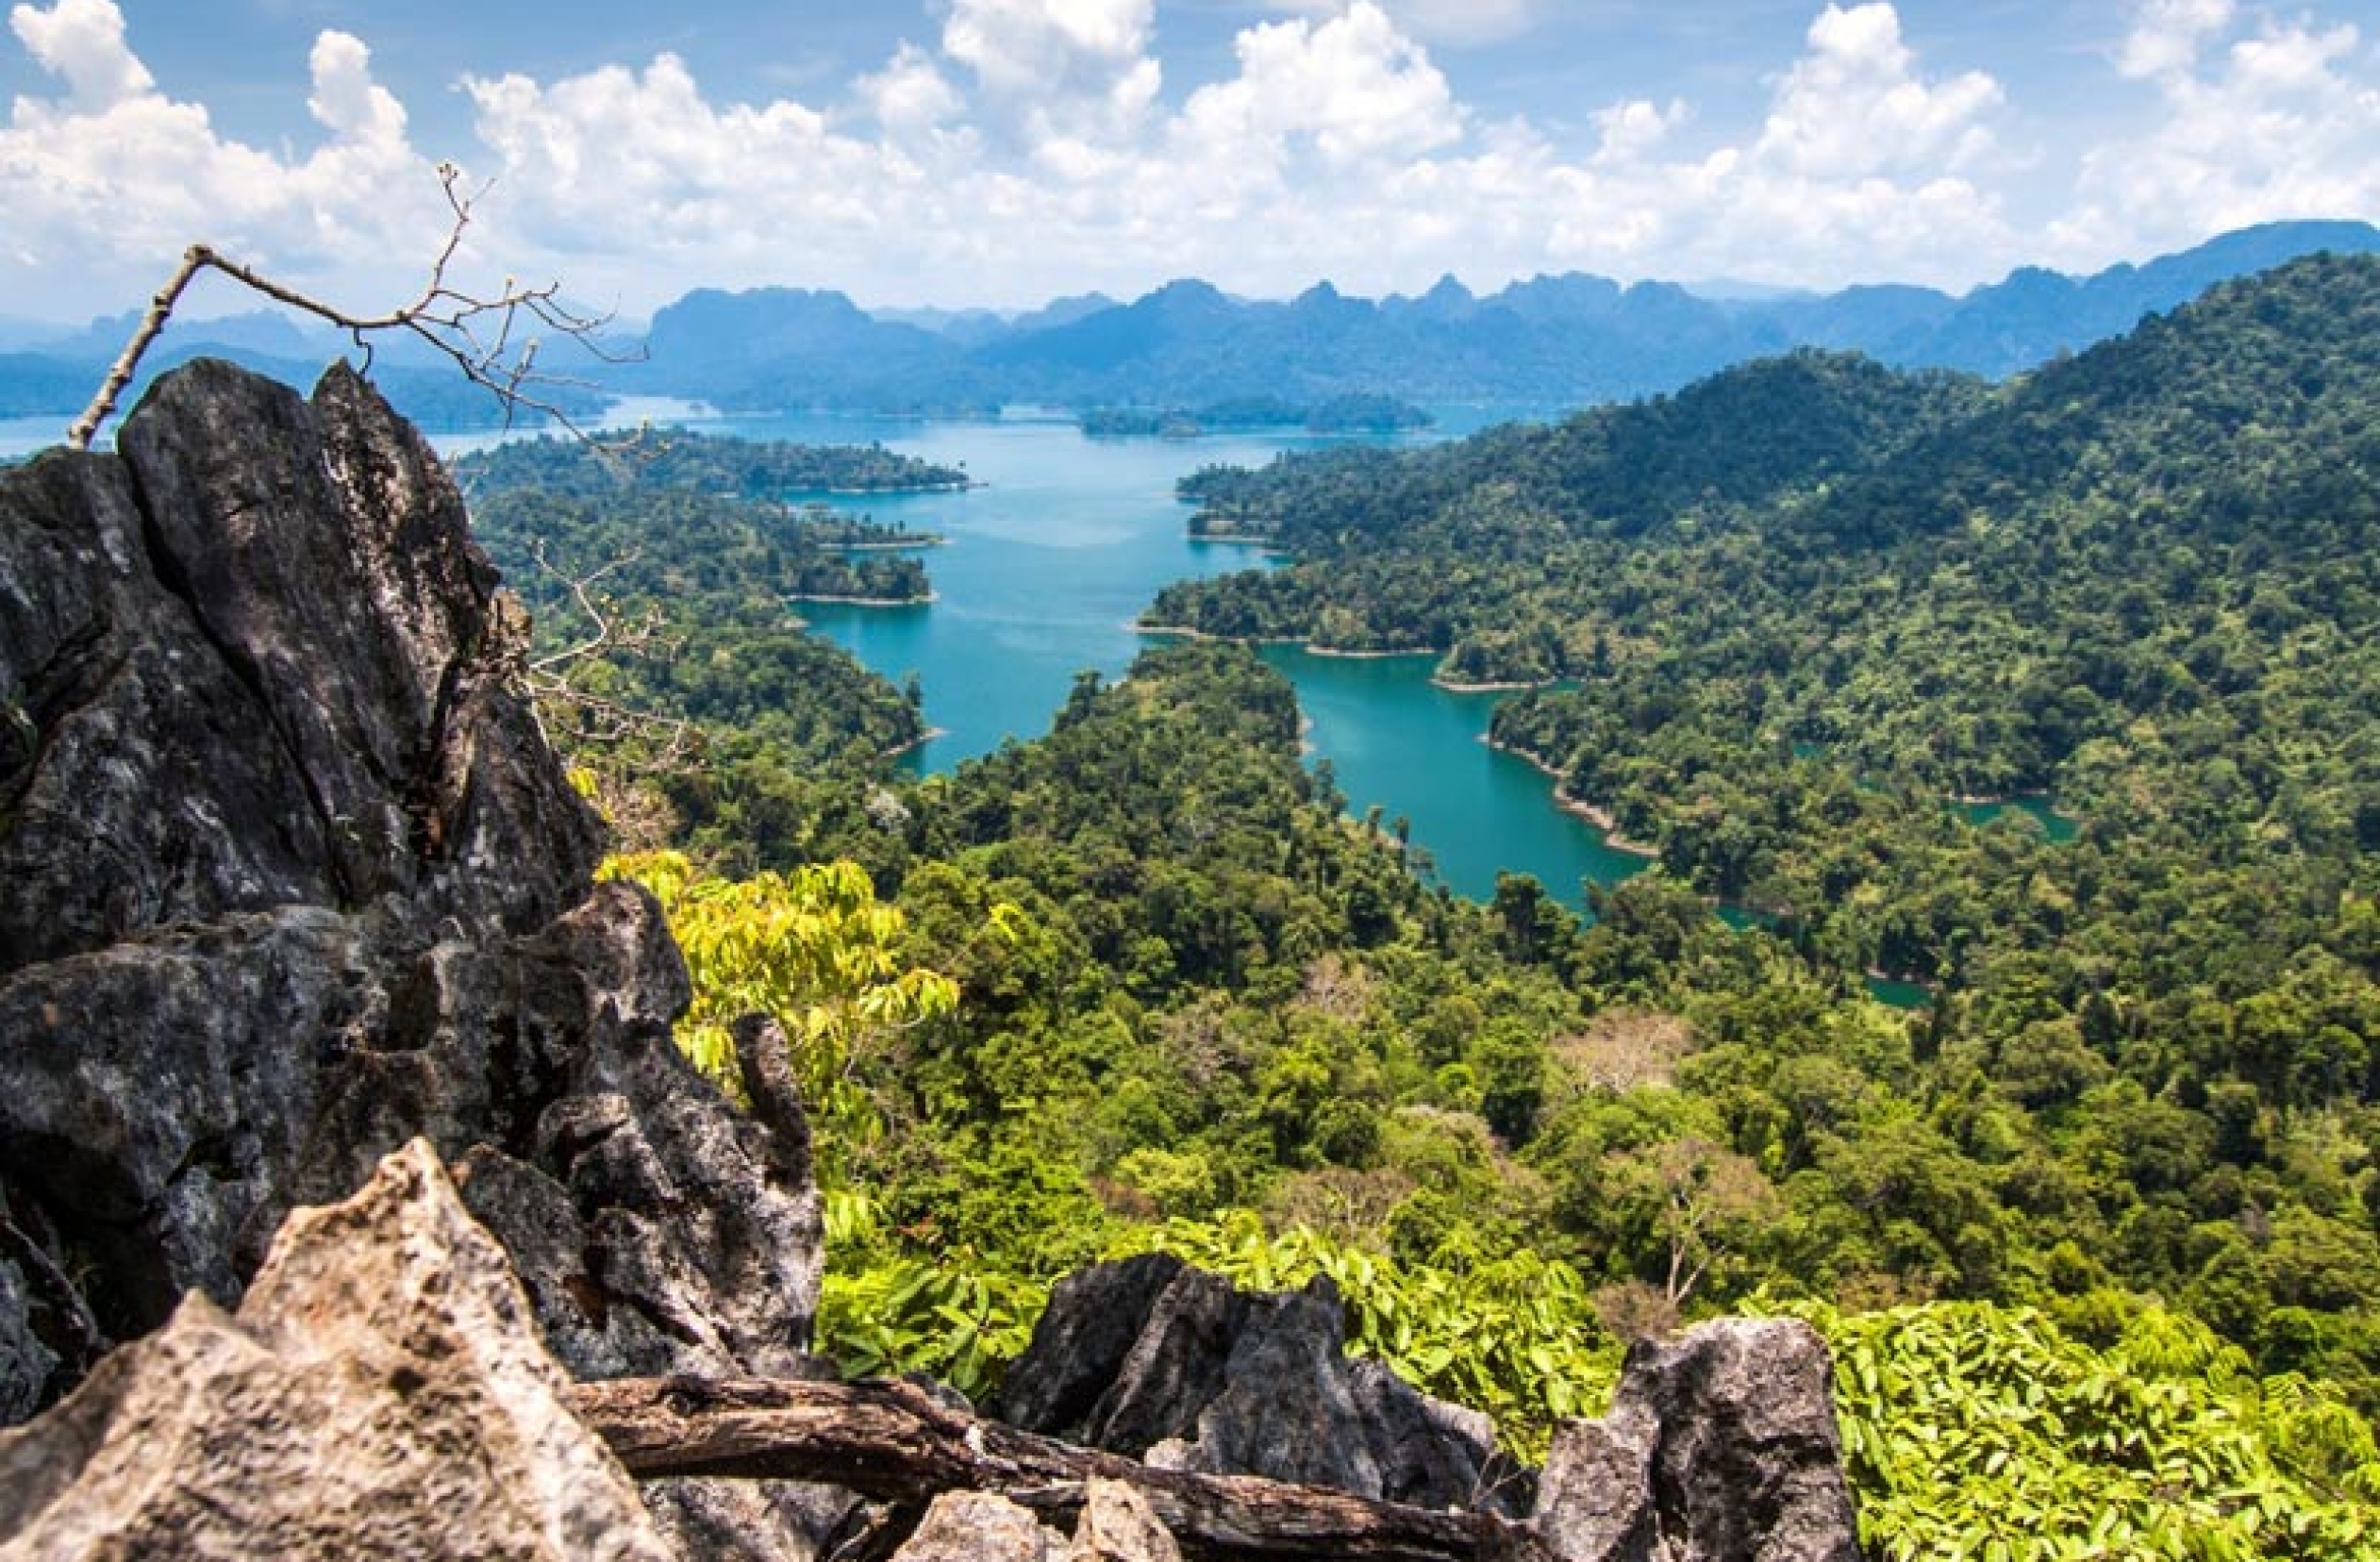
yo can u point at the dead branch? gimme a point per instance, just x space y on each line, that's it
893 1442
549 680
478 334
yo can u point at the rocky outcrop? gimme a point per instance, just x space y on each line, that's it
289 876
1116 1525
388 1329
1721 1446
1152 1357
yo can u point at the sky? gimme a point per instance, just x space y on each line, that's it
1003 153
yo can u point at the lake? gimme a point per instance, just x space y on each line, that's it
1051 561
1060 549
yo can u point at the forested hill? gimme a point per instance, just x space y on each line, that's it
2245 422
1752 434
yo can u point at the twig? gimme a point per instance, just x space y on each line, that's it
476 333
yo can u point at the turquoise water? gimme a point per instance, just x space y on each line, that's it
1052 559
1396 740
2057 827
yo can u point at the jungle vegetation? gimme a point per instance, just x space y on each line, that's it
2095 1234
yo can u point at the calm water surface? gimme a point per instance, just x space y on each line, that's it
1051 561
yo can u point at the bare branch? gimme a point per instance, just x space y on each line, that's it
478 333
673 741
893 1442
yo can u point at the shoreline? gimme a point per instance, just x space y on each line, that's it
1579 807
1234 540
915 743
1176 631
927 600
1510 687
915 546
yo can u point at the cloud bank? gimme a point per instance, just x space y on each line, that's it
1033 147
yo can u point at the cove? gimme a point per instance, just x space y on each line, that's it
1047 565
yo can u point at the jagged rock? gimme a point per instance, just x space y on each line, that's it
976 1526
1721 1446
1093 1318
25 1362
1118 1525
288 876
1153 1358
1287 1410
382 1393
1595 1497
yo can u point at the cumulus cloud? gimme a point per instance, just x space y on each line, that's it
106 184
2167 35
2255 125
1457 22
82 42
1856 105
1353 87
1071 70
1027 147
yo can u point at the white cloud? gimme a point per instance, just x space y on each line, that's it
1353 87
346 100
2167 35
1458 23
910 96
1631 131
1069 70
2273 124
82 40
1855 106
107 184
1029 147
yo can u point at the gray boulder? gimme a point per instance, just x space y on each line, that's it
1721 1446
381 1394
1156 1359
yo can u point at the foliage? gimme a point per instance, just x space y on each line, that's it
1980 1432
791 726
814 949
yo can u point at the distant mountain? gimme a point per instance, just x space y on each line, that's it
2035 314
1567 340
792 347
266 332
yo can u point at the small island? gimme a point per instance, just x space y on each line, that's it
679 460
846 531
1348 414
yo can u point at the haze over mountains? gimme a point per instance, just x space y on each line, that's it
1549 342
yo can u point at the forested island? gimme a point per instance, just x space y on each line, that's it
2096 1235
679 460
824 526
1346 414
668 607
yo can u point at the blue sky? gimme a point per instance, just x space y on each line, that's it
1004 152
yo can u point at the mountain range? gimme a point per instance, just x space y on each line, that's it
1547 342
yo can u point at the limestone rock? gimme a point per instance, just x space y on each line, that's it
1153 1358
382 1393
1721 1446
1118 1525
976 1526
289 876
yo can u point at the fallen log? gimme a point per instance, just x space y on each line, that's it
893 1442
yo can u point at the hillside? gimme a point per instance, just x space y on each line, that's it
1567 340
